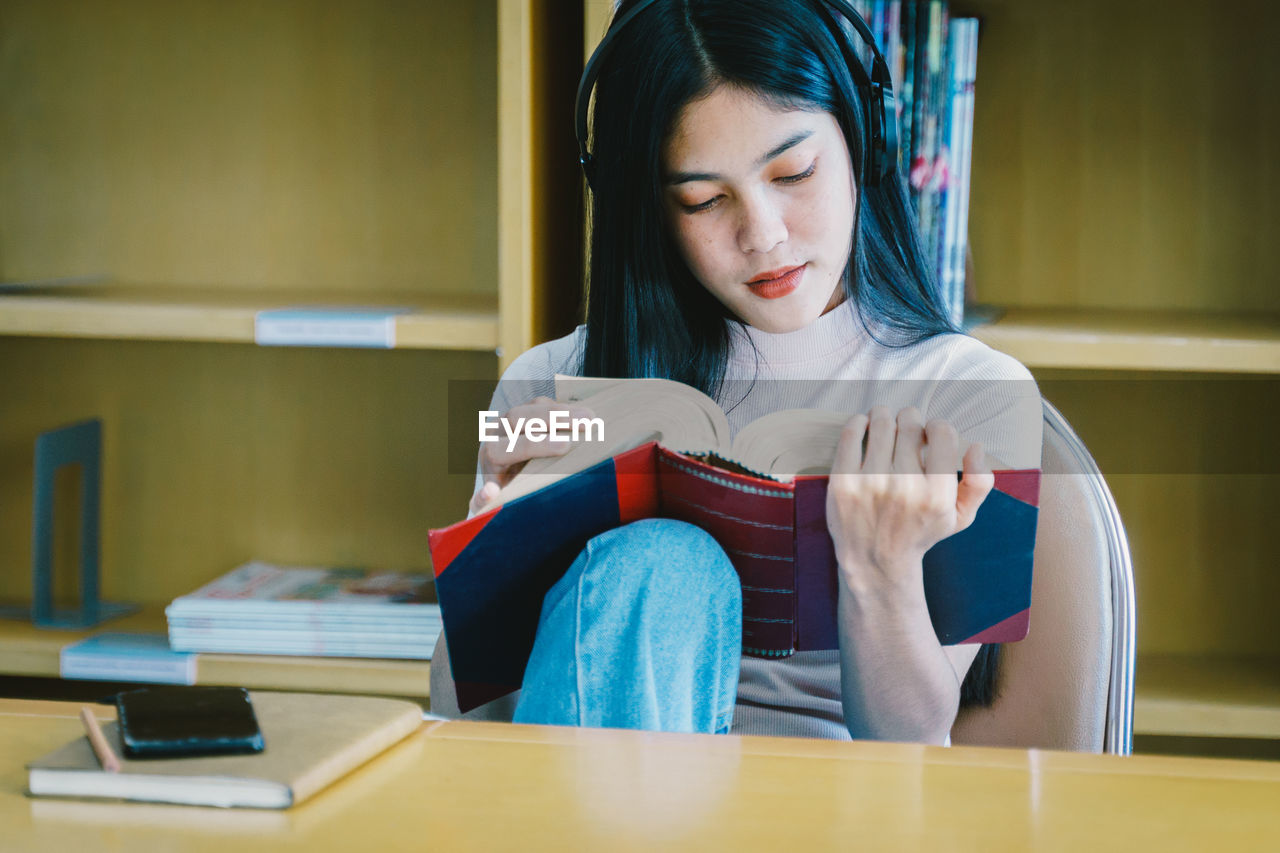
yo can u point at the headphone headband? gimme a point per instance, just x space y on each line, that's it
881 154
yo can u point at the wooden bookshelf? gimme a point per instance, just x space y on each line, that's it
1129 339
1200 695
28 650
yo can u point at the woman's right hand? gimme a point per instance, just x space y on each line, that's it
498 464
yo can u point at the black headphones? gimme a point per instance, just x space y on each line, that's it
882 118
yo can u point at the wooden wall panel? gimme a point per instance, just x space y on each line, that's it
315 144
1123 154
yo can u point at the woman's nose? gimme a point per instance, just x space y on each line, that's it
761 226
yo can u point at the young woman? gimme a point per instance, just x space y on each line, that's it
741 244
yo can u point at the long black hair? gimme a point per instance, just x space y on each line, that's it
646 313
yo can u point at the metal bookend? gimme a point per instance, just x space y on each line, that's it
78 443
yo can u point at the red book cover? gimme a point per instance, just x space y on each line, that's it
493 570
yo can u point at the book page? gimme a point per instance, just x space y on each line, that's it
665 395
790 442
793 442
634 412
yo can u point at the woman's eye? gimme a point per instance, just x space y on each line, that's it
784 179
795 179
706 205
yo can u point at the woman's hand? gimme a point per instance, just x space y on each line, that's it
887 507
498 464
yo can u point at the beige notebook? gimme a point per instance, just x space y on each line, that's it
311 741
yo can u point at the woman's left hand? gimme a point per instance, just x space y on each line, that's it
887 507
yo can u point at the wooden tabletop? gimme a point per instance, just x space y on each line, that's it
487 786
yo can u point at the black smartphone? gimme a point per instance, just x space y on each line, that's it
168 722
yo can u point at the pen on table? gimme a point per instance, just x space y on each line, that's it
102 749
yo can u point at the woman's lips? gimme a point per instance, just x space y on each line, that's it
779 286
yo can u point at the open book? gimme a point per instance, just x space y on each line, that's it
763 498
635 411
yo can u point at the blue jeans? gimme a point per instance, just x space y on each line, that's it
644 631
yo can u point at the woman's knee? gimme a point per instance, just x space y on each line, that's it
675 553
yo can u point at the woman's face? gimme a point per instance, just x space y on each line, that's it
760 200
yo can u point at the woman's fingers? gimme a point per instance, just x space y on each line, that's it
483 495
942 448
974 487
848 458
907 498
881 431
906 448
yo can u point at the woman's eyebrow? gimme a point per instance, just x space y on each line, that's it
685 177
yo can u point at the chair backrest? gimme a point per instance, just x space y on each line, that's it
1069 684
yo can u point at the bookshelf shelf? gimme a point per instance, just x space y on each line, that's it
1136 340
1201 695
227 315
31 651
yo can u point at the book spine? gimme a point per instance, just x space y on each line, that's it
863 8
949 202
920 107
965 160
906 101
420 651
351 633
931 144
179 670
754 522
893 44
274 623
300 609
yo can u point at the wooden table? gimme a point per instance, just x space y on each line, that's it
485 786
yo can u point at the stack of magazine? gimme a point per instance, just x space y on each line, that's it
265 609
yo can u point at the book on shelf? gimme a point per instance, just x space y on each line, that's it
928 164
954 219
120 656
312 740
904 86
261 608
762 496
328 326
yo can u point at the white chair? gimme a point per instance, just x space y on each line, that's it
1069 684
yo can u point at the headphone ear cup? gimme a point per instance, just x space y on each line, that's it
882 142
875 135
889 138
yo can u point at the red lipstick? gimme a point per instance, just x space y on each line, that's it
776 283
